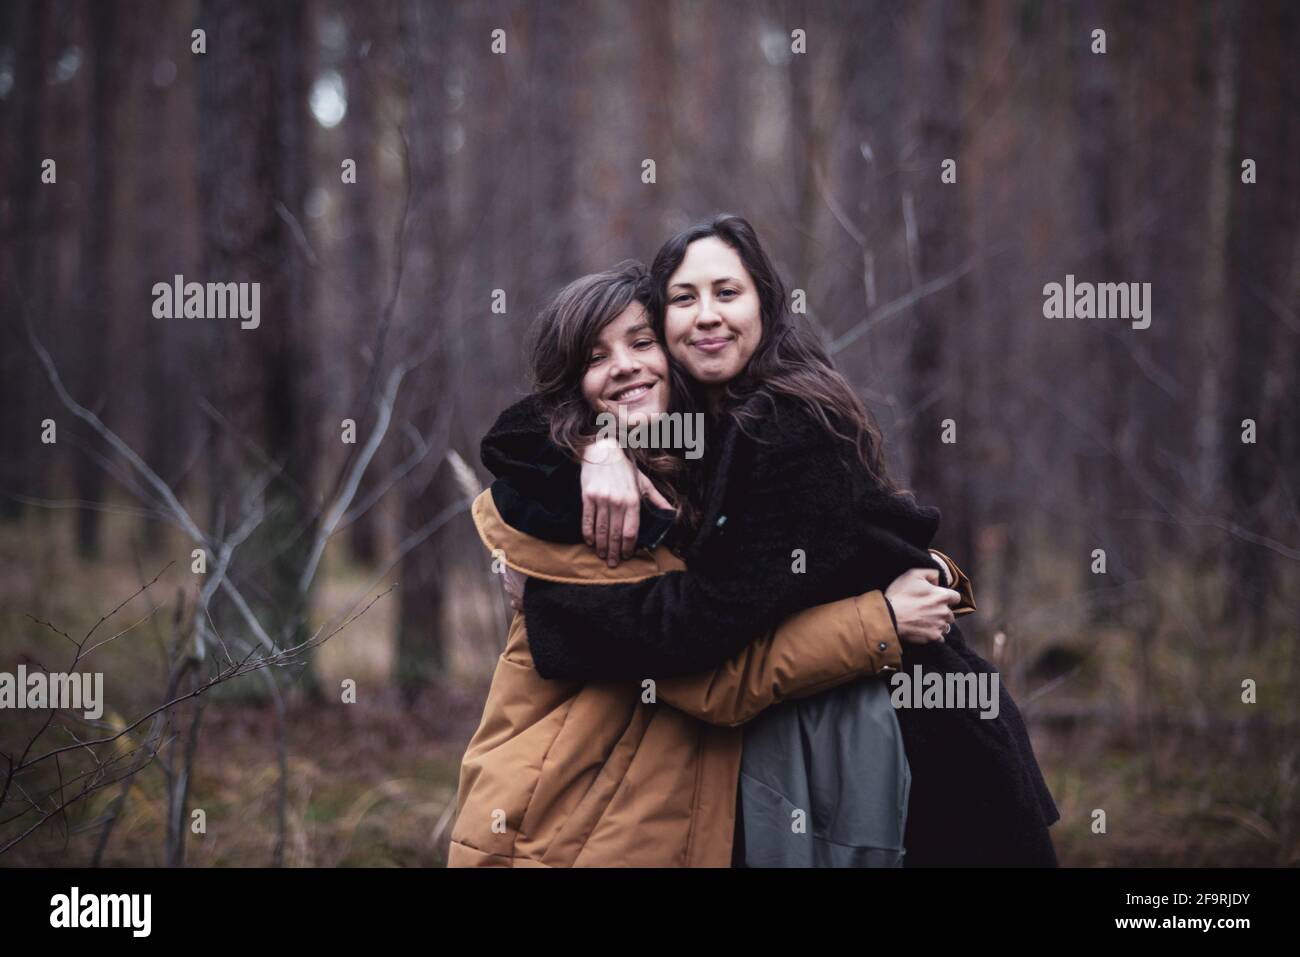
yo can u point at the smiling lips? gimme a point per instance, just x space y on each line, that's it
632 392
712 344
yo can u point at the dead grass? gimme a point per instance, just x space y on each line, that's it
1186 773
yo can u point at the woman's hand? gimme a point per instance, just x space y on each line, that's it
612 489
922 607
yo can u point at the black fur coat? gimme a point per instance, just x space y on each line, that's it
788 523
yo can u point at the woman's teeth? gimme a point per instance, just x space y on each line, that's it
634 393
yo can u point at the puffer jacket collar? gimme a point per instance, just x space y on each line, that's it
552 561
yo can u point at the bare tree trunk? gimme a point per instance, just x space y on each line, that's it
255 157
553 65
361 211
657 94
420 645
1262 227
807 143
157 254
23 273
935 238
96 227
1104 384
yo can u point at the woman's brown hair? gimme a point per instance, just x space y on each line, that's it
564 335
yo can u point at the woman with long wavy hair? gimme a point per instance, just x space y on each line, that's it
795 509
640 770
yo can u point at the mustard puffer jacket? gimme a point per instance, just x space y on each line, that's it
626 773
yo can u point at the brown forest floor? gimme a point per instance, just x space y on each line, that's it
370 785
373 783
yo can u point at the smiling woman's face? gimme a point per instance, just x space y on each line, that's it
713 320
627 369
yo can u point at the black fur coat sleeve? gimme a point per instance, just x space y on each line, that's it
785 527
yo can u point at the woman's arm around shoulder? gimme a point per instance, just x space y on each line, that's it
787 531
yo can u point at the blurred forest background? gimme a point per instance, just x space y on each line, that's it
519 170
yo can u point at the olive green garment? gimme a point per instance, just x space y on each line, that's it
838 758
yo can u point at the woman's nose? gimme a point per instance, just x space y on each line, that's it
707 315
625 362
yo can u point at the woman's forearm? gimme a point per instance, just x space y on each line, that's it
812 651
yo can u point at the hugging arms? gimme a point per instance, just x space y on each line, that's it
786 526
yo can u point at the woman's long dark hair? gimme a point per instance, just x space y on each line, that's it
564 334
788 359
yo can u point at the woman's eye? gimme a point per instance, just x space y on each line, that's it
728 292
678 300
594 359
643 343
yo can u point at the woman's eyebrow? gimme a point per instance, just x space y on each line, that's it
691 285
640 327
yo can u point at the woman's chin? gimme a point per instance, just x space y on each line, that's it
715 374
